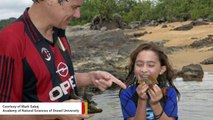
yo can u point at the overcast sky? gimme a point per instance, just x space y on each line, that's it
13 8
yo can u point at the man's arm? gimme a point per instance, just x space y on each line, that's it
11 68
83 79
100 79
19 117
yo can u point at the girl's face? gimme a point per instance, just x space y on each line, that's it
148 64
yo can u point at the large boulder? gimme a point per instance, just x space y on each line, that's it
192 72
99 23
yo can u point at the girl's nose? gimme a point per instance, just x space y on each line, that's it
144 68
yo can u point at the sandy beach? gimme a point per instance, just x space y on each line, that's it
181 38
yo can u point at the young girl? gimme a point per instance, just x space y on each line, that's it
145 102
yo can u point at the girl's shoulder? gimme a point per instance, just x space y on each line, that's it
129 91
170 91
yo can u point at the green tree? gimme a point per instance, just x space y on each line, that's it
106 8
142 10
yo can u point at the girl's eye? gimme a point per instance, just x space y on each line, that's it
139 64
151 65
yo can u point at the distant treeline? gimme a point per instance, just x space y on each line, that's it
142 10
5 22
146 10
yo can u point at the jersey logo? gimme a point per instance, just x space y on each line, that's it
46 54
63 89
62 69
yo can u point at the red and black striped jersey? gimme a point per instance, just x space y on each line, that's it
31 68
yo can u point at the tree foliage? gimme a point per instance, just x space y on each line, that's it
143 10
6 22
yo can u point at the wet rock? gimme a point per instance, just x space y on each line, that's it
192 72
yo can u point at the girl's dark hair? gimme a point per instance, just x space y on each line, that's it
164 79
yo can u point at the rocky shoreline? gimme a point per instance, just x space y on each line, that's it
109 49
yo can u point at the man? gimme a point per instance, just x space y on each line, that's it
35 63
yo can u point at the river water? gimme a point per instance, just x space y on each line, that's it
196 101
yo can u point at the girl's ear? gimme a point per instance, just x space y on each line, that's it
163 69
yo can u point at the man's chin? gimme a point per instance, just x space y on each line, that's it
62 27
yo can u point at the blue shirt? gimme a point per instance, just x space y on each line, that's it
129 107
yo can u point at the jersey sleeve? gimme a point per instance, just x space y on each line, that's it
171 107
127 104
11 71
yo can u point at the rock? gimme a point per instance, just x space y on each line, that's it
192 72
139 34
207 61
117 19
205 42
198 23
96 23
104 29
103 50
129 46
211 49
135 24
153 23
164 26
184 27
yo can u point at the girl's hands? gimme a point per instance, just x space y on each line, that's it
142 90
155 94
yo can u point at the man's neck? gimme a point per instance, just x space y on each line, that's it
41 21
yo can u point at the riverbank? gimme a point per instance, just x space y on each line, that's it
186 55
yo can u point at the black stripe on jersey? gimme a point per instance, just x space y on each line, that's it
67 58
30 84
6 78
1 71
70 66
27 28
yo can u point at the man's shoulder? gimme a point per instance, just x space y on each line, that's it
12 29
12 36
